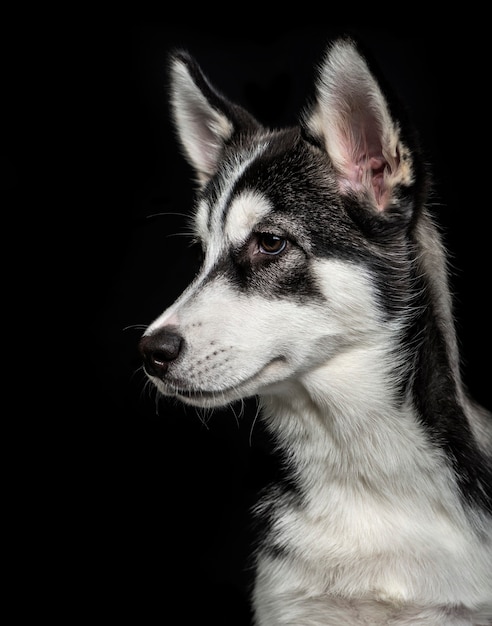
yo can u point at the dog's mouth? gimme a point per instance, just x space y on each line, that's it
201 396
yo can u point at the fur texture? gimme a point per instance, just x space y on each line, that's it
324 292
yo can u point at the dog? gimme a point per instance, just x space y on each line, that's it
324 293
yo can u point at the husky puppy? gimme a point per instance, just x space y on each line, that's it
324 293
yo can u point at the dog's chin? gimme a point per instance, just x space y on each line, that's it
273 373
204 399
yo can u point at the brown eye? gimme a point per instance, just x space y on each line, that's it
270 244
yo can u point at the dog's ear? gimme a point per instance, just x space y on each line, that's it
204 119
352 120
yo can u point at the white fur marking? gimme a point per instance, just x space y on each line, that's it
244 213
213 237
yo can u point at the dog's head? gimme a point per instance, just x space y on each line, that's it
306 235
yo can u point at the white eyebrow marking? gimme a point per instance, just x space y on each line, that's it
208 221
244 213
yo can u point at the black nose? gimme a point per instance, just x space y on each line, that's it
159 349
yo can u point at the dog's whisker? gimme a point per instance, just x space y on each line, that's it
202 416
253 423
167 213
156 404
140 370
135 327
186 235
235 415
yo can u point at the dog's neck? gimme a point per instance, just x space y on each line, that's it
390 412
342 423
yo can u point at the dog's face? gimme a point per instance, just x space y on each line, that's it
272 300
296 228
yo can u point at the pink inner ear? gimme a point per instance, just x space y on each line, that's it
376 167
366 165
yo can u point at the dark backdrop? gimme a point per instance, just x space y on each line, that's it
158 521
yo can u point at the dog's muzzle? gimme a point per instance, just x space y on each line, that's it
159 349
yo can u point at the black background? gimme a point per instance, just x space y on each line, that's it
146 510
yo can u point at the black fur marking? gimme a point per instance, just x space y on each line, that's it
299 181
275 278
435 395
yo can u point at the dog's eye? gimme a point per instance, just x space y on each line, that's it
270 244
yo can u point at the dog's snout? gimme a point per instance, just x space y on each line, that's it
159 349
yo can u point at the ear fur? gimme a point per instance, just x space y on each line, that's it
204 120
351 119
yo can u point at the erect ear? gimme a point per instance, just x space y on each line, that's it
351 118
204 119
